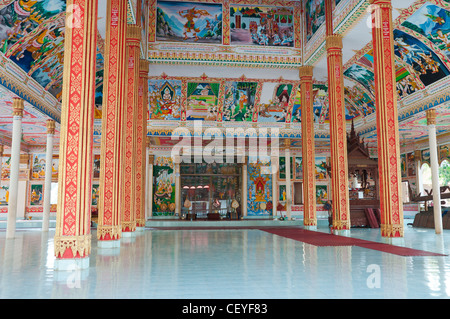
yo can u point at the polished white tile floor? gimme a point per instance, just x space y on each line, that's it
212 264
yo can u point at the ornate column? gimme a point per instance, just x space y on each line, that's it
111 160
18 106
130 121
287 161
73 221
141 144
308 147
48 175
434 161
387 120
338 135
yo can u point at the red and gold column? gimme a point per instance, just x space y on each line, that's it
72 235
338 134
141 144
109 222
130 120
387 120
308 146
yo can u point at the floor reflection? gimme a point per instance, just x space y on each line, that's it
225 264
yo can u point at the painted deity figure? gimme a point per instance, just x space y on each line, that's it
190 15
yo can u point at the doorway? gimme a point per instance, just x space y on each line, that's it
209 189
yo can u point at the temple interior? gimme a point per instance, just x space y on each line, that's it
230 128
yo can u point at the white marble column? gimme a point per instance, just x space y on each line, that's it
419 179
275 164
244 187
177 161
431 123
48 175
288 178
15 165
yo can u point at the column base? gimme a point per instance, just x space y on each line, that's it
71 264
397 241
140 229
341 232
310 227
128 234
108 243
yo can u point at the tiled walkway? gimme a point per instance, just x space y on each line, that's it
211 264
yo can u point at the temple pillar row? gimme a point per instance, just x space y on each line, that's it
130 124
434 163
18 106
72 234
391 204
308 147
338 134
109 229
48 175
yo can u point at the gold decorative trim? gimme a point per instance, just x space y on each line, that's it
334 41
80 245
431 117
51 127
305 71
18 106
114 231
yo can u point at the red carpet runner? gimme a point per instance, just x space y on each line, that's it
323 239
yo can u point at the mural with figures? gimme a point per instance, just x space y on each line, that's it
262 26
277 109
315 16
32 36
259 201
163 187
239 101
164 99
203 101
189 22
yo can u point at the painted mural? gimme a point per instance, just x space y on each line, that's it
321 194
32 36
37 197
315 16
277 109
432 22
362 75
239 103
164 99
259 189
189 22
38 166
321 168
320 105
163 187
262 26
358 102
203 101
428 67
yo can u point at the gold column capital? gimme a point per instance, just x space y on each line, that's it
18 106
287 143
133 35
334 41
305 71
374 4
151 159
431 117
51 127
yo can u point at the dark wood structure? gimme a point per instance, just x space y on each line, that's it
363 180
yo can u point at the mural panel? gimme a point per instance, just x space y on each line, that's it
428 67
190 22
277 109
164 99
164 187
32 36
432 22
259 199
264 26
203 101
315 16
239 101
